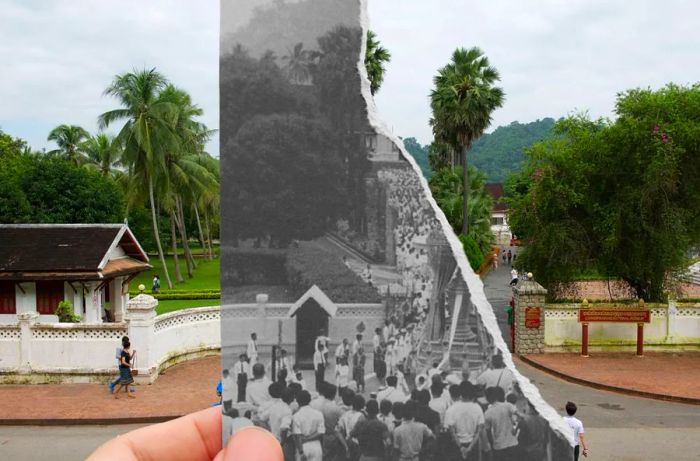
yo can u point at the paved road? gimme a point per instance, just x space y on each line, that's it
619 427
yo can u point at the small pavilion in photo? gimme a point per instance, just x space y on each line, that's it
90 265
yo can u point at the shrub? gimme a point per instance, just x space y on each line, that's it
474 254
255 267
65 313
309 265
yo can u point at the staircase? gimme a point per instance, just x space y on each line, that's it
695 273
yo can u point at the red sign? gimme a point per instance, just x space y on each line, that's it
614 315
532 317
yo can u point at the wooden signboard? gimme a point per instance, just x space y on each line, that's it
614 315
532 317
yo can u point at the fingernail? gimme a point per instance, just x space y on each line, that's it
253 444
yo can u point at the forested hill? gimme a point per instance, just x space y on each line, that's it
497 154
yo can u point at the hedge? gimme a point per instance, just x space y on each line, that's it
181 294
309 265
474 254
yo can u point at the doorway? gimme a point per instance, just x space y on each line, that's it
312 319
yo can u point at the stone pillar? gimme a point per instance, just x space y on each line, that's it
93 308
26 322
528 317
115 291
140 318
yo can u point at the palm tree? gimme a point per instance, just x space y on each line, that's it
299 63
70 140
375 58
147 134
103 152
446 186
462 102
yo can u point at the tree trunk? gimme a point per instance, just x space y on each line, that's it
207 224
183 235
199 228
465 191
176 258
184 231
157 234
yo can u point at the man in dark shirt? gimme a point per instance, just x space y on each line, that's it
425 414
372 435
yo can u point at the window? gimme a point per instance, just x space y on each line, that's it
497 221
8 303
48 295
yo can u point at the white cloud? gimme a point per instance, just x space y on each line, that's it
554 56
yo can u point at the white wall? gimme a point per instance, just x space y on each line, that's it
26 300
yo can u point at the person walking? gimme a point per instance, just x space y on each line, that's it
156 284
513 277
126 361
372 435
499 427
577 426
503 256
509 256
410 436
118 356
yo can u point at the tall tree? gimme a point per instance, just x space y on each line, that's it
147 134
376 56
462 102
299 63
70 140
103 152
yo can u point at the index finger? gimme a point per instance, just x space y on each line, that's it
193 437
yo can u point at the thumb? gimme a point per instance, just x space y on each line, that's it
253 444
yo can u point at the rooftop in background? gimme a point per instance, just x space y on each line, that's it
77 251
495 190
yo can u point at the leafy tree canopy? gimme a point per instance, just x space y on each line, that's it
618 197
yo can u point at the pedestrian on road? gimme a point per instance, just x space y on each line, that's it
510 255
513 277
118 355
319 366
125 363
503 256
495 260
577 426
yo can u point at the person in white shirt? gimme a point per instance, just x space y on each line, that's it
377 339
252 350
577 426
308 429
437 403
241 371
464 418
320 366
513 277
498 375
342 350
278 415
349 420
356 344
401 380
435 370
298 377
391 393
342 374
228 390
257 390
387 330
232 422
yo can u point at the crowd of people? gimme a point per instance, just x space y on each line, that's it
438 415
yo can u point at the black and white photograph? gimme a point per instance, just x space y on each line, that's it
340 291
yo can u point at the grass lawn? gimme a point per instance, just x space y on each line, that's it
169 305
206 275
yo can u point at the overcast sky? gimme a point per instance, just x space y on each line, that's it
554 56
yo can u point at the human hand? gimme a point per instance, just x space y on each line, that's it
194 437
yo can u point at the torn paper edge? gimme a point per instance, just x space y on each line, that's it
474 283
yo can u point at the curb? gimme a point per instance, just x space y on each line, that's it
608 387
86 421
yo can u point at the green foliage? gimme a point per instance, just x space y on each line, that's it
446 186
255 267
503 151
617 197
187 295
310 265
474 253
420 154
49 189
375 58
299 156
11 147
65 313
